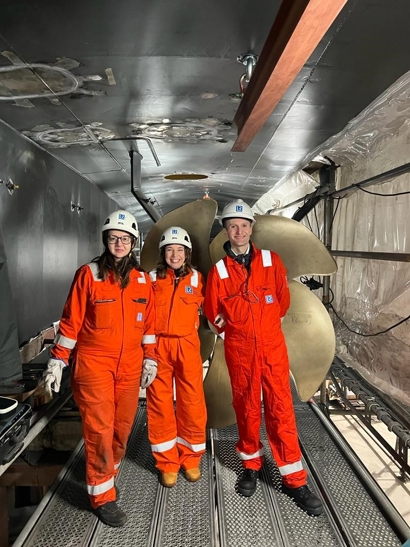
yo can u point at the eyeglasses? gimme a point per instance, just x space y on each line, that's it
124 239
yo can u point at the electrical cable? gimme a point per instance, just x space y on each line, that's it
330 306
313 285
308 221
317 222
383 195
334 214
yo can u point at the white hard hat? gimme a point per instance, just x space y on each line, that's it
175 236
121 220
237 209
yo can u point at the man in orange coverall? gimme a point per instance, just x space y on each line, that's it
107 333
177 437
246 296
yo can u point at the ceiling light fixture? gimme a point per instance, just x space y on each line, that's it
185 176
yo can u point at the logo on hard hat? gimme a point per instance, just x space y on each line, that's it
239 208
174 231
121 216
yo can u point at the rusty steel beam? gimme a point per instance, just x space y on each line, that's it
296 31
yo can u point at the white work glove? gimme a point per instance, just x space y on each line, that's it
52 375
149 371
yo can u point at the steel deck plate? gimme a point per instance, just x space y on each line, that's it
211 512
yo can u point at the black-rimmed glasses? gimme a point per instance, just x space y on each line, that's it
124 239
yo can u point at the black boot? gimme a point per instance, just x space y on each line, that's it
247 482
111 514
305 499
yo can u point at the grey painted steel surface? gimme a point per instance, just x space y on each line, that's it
44 239
10 362
178 61
211 512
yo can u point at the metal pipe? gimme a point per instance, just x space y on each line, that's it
395 520
146 139
394 257
327 179
137 193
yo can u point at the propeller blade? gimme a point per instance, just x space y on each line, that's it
310 339
207 339
300 250
197 219
218 391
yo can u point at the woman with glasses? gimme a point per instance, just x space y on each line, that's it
107 337
177 436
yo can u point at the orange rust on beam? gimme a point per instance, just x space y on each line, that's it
296 32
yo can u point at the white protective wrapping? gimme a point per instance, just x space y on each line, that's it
370 295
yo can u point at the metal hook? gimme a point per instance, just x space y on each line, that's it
249 60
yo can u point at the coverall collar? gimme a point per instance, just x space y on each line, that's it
244 259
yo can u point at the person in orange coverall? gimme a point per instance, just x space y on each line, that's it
247 295
177 437
107 335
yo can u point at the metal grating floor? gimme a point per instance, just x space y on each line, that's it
211 512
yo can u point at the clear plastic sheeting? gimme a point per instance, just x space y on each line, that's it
292 189
373 295
370 295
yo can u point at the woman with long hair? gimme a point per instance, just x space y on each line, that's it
177 436
107 337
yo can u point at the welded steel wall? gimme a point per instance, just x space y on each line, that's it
45 241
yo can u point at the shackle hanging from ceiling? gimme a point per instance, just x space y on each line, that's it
249 60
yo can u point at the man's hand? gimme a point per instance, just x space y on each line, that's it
52 375
149 371
220 321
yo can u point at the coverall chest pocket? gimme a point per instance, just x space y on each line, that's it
269 302
234 309
189 316
161 312
140 305
102 313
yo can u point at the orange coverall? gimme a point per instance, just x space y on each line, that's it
108 331
256 355
177 437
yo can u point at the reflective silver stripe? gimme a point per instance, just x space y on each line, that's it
142 278
162 447
291 468
149 339
193 447
194 278
65 342
116 465
94 270
266 258
100 488
223 272
153 275
244 456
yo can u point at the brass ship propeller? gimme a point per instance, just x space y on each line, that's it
307 326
